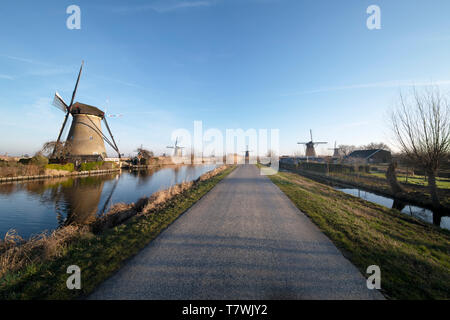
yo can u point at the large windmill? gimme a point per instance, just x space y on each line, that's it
85 138
336 151
310 151
177 150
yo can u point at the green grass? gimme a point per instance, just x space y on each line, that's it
98 256
414 256
88 166
65 167
442 183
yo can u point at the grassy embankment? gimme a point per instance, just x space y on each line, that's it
415 190
418 180
103 248
414 256
376 182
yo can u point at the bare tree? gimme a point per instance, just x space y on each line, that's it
144 153
377 145
62 149
421 126
346 149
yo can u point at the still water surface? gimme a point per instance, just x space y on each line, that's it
34 206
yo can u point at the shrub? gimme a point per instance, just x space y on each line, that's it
25 160
39 160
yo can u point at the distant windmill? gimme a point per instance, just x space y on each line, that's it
247 155
177 150
336 153
85 134
310 151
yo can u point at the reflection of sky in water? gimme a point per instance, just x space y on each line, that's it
32 207
414 211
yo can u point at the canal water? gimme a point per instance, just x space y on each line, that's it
411 210
31 207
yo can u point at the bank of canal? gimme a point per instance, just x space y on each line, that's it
407 207
30 207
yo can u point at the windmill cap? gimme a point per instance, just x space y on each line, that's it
81 108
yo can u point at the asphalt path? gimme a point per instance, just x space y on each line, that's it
243 240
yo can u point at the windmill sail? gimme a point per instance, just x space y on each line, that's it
76 85
59 103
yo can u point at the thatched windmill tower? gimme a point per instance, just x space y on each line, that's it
310 151
85 138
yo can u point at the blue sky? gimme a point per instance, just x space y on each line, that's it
286 64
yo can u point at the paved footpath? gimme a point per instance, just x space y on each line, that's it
243 240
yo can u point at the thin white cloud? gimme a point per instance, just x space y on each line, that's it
53 70
5 76
184 4
41 108
353 124
385 84
125 83
43 69
164 6
21 59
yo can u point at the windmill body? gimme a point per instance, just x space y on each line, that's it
85 135
310 150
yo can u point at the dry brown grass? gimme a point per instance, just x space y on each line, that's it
158 199
212 173
121 212
17 169
54 172
16 252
